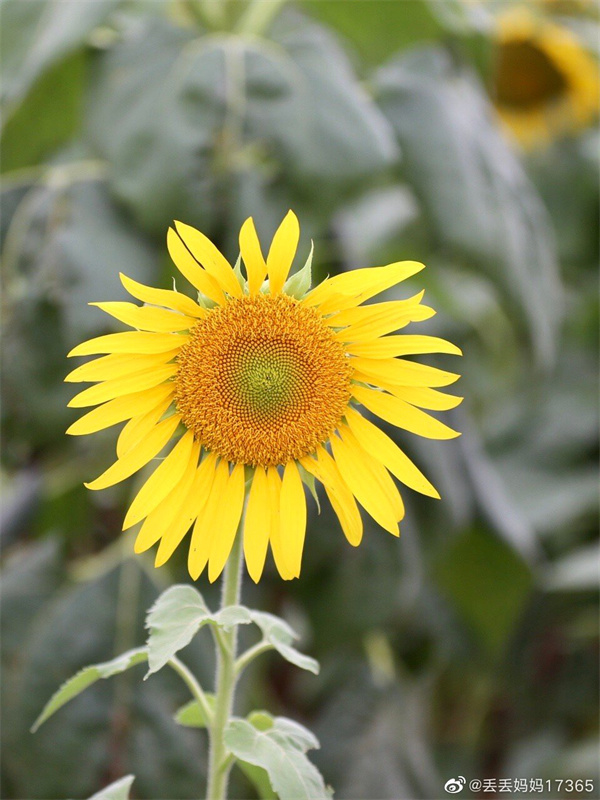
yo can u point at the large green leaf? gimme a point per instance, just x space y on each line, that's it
47 118
378 29
480 203
280 750
486 582
38 33
200 111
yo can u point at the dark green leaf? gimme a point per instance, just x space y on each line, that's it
487 583
478 198
38 33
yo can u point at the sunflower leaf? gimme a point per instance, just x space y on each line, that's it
86 677
279 634
279 750
119 790
192 715
173 621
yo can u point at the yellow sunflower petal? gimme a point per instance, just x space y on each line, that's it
227 523
341 498
375 441
403 345
423 397
146 318
140 426
120 409
356 471
282 252
279 553
117 365
130 342
108 390
205 525
377 469
187 507
191 269
400 372
257 525
159 523
213 261
138 456
402 414
162 297
256 267
183 457
363 283
379 321
293 517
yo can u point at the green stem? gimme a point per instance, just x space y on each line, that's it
250 654
218 766
192 684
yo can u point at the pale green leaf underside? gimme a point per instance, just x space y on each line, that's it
119 790
180 612
280 750
86 677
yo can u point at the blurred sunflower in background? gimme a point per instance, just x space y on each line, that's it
545 83
259 381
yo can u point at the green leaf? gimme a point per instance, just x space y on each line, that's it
173 621
456 157
279 634
300 282
378 29
86 677
47 117
487 582
39 33
192 714
119 790
280 750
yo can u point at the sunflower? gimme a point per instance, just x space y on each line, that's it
545 84
254 390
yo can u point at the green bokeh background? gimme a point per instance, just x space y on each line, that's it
470 646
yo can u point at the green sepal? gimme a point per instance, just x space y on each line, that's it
299 283
309 480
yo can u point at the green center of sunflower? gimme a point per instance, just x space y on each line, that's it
526 76
265 378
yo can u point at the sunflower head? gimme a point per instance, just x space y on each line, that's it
255 388
545 84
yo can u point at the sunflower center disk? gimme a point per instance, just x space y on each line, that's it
262 381
527 76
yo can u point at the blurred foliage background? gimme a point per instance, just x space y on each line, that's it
469 647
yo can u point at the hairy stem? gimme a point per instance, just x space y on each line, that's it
218 766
